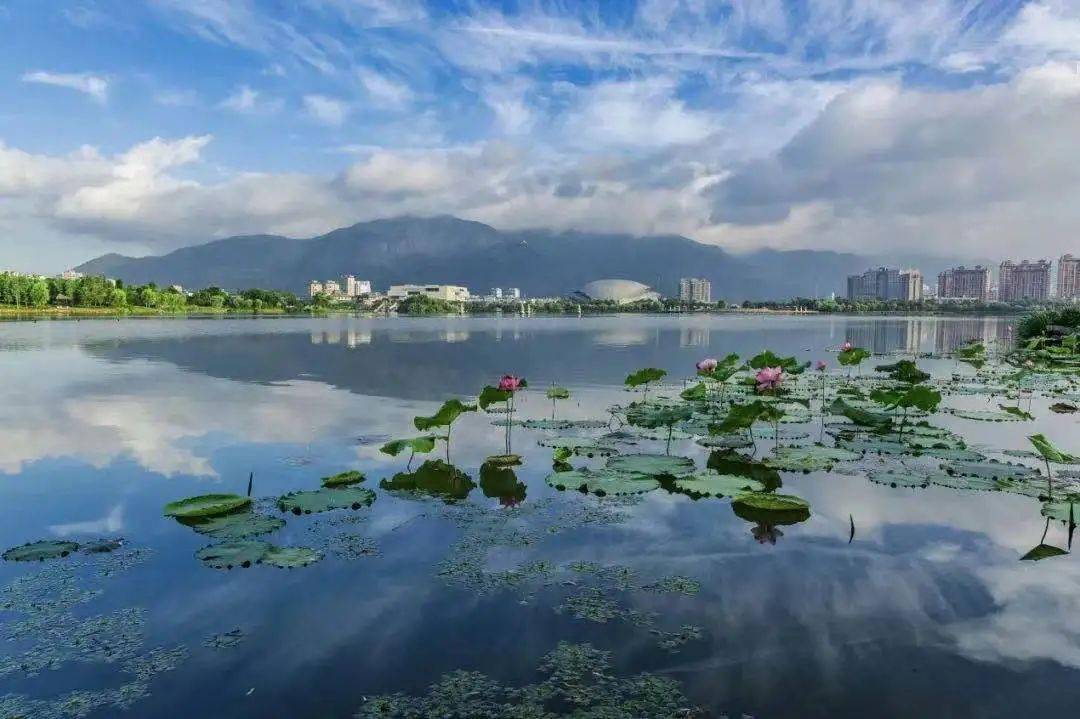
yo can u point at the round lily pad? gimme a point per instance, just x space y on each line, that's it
652 465
561 424
40 551
810 458
238 525
343 479
771 508
206 505
991 469
985 415
581 446
504 460
233 554
326 499
714 484
603 481
290 557
725 441
901 478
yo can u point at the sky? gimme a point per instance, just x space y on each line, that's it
947 127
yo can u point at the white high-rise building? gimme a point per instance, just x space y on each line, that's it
695 289
355 287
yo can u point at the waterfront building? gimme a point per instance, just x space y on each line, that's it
513 293
355 287
1028 280
71 275
1068 277
885 283
450 293
618 291
695 289
970 283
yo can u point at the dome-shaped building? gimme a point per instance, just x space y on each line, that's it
619 291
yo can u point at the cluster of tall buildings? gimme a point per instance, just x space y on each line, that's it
332 288
695 289
1024 280
886 283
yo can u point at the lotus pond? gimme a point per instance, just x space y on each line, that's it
629 516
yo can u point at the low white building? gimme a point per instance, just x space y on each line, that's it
450 293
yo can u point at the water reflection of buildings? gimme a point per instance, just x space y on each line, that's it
884 336
954 333
694 337
351 338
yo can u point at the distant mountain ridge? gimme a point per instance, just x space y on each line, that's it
449 250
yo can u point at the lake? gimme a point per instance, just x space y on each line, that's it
886 602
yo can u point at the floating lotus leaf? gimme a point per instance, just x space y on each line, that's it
40 551
984 415
206 505
433 478
979 484
1043 551
1062 511
238 525
504 460
785 433
101 546
713 484
343 479
811 458
233 554
899 478
654 415
990 468
1063 408
771 508
561 424
653 465
603 481
290 557
325 499
726 441
581 446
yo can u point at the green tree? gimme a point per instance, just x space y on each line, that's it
39 293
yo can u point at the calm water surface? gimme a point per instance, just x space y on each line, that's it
926 612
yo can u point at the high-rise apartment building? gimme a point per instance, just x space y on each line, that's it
1068 277
695 289
971 283
885 283
1024 281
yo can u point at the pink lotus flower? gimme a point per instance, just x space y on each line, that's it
820 366
708 366
846 347
510 383
769 378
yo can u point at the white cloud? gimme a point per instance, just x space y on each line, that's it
95 86
326 110
248 101
383 91
177 98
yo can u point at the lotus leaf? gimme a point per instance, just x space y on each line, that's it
990 468
714 484
419 445
645 376
581 446
233 554
1049 452
206 505
1063 511
653 465
902 478
290 557
561 424
810 458
238 525
984 415
1043 551
450 411
325 499
40 551
558 393
771 508
343 479
603 481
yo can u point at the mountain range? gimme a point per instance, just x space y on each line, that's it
448 250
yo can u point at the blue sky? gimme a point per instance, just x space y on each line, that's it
942 126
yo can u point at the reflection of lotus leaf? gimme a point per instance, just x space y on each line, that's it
809 459
206 505
581 446
238 525
233 554
40 551
290 557
713 484
1043 551
771 508
653 465
343 479
500 482
1063 511
734 463
326 499
603 481
434 478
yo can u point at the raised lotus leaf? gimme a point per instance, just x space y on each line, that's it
557 393
40 551
858 415
1063 511
810 458
227 555
290 557
714 484
645 376
450 411
581 446
1043 551
654 415
1049 452
238 525
206 505
651 465
343 479
771 508
325 499
603 481
503 460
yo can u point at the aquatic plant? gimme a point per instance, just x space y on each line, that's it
445 417
507 388
206 505
555 393
433 478
643 378
415 445
1050 453
343 479
40 551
